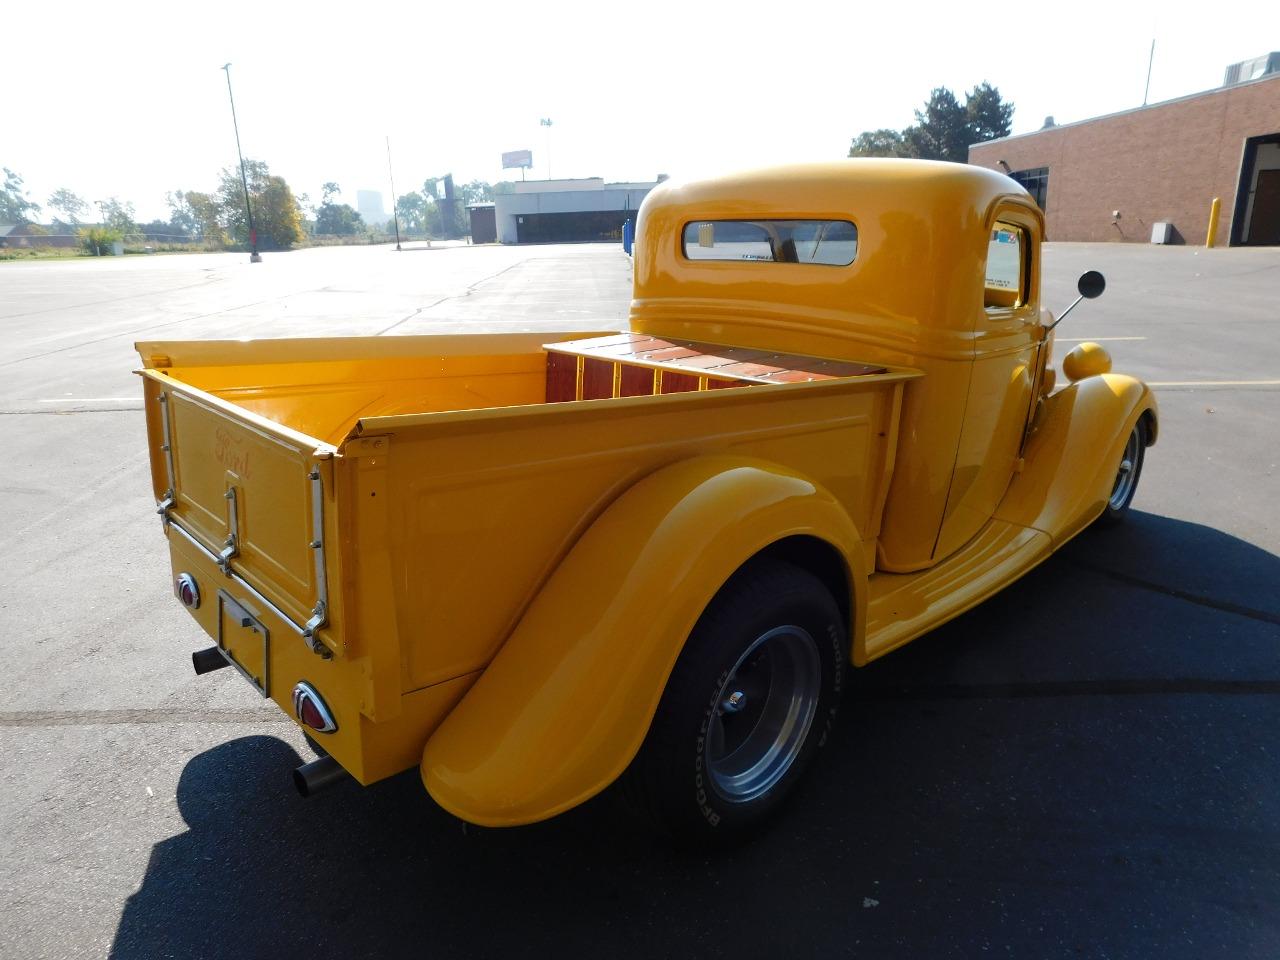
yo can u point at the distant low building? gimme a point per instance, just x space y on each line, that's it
1120 177
484 225
567 211
27 235
369 206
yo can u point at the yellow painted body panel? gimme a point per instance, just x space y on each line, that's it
905 606
564 706
510 580
485 506
1072 454
1006 348
1086 359
443 525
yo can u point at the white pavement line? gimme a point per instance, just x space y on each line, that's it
1213 383
78 718
89 400
1095 339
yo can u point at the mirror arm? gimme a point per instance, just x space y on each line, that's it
1064 313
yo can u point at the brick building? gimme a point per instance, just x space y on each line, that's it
1115 177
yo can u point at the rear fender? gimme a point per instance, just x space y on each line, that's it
1071 458
567 701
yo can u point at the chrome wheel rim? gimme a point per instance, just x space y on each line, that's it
1127 475
763 713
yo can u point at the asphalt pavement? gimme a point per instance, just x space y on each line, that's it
1083 766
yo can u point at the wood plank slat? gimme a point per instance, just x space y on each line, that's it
562 377
597 378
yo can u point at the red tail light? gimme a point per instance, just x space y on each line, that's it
186 590
311 709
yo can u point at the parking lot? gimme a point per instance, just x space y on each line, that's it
1084 766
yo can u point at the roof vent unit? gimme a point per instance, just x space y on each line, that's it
1247 70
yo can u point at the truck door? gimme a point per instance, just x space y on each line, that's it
1005 337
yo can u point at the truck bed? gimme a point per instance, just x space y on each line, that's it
394 504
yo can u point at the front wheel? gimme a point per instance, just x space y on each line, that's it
1126 483
752 697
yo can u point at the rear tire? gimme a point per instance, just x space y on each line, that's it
1127 474
752 697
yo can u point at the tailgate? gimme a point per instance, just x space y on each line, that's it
246 491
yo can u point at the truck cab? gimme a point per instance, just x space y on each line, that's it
944 278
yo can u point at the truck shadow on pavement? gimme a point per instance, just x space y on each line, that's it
1085 765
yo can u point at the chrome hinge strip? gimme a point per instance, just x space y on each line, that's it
230 546
320 613
170 495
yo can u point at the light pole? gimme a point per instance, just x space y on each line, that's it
546 122
395 214
254 256
103 214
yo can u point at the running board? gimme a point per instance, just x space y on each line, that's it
902 606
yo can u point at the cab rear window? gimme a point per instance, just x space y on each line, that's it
830 242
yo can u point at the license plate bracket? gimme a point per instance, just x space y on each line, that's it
240 644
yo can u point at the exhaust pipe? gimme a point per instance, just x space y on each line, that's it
208 660
311 778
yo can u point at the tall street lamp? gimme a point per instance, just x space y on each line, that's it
395 212
102 212
546 122
254 256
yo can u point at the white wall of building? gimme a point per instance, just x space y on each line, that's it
583 195
559 186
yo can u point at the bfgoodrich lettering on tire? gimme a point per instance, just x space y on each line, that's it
752 697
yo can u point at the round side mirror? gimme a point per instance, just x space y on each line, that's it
1091 284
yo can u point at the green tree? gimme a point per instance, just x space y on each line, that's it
14 205
72 207
118 216
275 209
196 214
182 216
98 240
941 129
205 210
477 191
160 231
338 219
944 127
989 117
878 143
412 210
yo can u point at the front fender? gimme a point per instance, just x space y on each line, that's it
567 701
1070 461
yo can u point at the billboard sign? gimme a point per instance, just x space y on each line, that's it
518 158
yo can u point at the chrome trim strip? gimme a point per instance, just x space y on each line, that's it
252 590
171 495
320 614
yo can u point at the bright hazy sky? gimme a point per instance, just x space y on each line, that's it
127 99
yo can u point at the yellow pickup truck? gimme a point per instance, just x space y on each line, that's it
534 564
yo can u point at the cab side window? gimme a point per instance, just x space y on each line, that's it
1007 267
